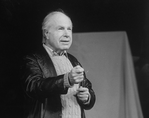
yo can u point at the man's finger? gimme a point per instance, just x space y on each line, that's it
82 89
79 69
78 80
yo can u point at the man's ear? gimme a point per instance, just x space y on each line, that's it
45 32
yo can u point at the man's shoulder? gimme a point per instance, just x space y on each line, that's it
38 53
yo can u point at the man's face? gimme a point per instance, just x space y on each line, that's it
59 36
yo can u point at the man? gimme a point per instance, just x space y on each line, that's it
53 79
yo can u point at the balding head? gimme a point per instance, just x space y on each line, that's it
49 19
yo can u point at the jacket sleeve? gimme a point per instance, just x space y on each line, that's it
36 85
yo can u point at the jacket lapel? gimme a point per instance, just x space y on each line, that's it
47 64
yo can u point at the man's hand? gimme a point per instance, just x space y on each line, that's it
83 94
76 75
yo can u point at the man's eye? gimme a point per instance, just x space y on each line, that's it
69 28
60 28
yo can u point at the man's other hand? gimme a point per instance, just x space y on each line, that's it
83 94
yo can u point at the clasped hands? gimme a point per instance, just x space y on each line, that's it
76 75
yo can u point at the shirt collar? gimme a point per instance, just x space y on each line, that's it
54 53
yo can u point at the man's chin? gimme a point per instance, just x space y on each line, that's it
65 47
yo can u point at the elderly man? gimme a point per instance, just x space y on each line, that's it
53 79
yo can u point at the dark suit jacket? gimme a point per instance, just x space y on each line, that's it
43 87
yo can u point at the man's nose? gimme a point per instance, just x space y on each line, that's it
66 33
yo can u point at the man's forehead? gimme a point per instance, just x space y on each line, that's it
59 18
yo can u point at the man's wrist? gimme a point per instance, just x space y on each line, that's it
67 82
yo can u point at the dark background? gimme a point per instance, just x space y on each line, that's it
20 32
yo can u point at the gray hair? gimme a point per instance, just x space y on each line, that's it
48 21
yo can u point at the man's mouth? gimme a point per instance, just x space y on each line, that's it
64 41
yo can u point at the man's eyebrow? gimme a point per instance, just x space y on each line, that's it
60 26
